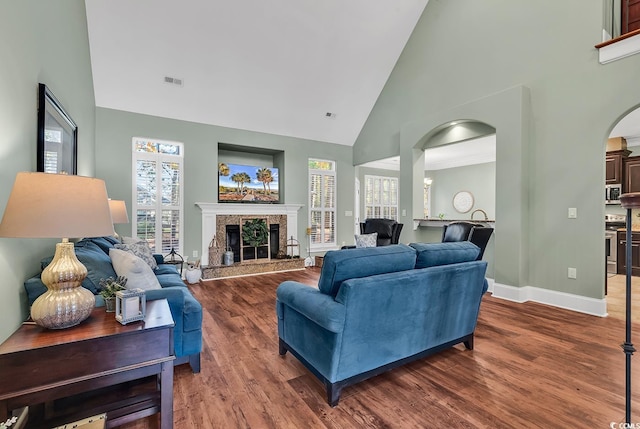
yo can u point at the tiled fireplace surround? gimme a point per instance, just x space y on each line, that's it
215 218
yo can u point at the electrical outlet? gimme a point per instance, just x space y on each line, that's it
195 253
572 273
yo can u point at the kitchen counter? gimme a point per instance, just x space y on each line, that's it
438 223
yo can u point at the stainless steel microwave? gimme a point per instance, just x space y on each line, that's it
612 194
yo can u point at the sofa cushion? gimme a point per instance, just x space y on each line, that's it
104 243
341 265
166 269
96 262
432 254
142 250
367 240
170 279
137 272
98 265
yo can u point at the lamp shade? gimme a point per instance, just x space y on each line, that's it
118 211
44 205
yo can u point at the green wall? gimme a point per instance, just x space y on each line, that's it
58 57
114 130
569 103
479 179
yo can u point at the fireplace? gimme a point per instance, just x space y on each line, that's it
216 218
266 247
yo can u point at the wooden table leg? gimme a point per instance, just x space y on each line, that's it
4 413
166 396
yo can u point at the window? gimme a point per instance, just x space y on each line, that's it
322 203
427 197
53 146
380 197
158 193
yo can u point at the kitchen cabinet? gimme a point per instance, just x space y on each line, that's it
631 175
635 253
614 166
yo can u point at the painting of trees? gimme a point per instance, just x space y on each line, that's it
240 179
265 176
238 182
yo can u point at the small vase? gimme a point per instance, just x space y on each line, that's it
110 304
228 258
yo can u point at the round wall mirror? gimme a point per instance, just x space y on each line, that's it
463 201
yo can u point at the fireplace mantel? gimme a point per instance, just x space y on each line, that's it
211 210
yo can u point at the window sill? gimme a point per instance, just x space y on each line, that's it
620 47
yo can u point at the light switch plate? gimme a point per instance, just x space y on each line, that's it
573 213
572 273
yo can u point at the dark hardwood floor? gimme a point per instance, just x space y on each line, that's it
533 366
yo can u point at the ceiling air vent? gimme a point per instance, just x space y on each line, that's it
330 115
173 80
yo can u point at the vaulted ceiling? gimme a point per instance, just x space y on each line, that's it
273 66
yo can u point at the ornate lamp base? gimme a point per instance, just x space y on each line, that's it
66 303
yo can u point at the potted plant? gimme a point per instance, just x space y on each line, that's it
109 288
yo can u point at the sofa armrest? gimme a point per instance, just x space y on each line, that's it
173 295
311 303
187 316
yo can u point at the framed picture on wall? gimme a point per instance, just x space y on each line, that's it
57 136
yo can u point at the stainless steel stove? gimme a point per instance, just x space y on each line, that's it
612 222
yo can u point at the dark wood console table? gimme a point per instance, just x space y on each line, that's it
39 367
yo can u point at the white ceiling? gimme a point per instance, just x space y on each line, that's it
468 152
273 66
629 128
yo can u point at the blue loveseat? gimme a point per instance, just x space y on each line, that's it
378 308
185 309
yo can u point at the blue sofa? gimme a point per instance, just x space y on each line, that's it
185 309
381 307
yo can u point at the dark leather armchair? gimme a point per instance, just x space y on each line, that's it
388 230
468 231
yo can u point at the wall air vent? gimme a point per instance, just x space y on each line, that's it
173 80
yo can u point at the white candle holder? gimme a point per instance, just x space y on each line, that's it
130 305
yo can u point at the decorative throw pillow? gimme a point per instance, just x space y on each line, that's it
366 240
139 275
140 249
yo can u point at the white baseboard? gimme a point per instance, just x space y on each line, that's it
581 304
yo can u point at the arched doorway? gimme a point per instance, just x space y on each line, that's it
460 158
624 144
507 113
